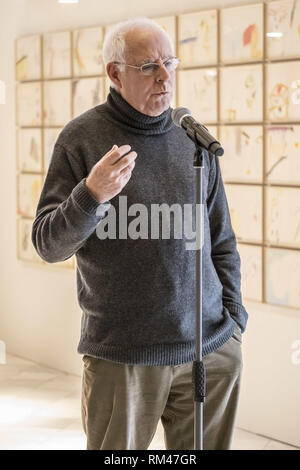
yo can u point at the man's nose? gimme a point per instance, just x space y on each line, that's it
163 73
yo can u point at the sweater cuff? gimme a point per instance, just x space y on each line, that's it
87 202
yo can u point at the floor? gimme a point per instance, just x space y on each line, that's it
40 410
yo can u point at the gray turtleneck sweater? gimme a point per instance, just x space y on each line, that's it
137 295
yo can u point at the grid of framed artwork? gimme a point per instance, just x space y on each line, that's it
240 75
59 76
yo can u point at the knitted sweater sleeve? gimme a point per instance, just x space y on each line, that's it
224 253
67 213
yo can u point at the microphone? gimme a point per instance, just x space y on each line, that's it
197 132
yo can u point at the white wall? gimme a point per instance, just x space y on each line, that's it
39 315
269 402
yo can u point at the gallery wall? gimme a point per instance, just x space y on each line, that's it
238 74
40 318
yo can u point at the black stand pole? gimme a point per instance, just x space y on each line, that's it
198 366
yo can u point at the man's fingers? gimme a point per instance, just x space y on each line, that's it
125 176
117 153
124 164
127 168
114 147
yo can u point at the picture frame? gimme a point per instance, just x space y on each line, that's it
282 154
28 51
87 93
241 97
245 208
29 191
242 33
57 54
197 91
87 51
283 216
283 20
197 38
243 153
57 102
283 91
29 150
29 104
283 277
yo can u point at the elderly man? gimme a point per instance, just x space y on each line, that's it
137 293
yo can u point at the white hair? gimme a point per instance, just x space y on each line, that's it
114 44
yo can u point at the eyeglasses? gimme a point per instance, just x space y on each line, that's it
151 68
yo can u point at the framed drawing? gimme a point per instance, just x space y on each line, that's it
57 102
29 190
251 271
243 157
241 93
245 207
283 23
197 38
242 33
57 54
283 216
25 248
282 156
30 150
50 137
197 91
87 93
28 58
29 104
283 277
87 51
283 91
168 23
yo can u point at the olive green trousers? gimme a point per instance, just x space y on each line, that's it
122 404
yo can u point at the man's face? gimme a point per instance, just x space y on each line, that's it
150 95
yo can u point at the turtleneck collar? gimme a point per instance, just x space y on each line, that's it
133 120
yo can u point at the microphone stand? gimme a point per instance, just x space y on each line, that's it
198 372
202 139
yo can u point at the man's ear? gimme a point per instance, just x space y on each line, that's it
113 72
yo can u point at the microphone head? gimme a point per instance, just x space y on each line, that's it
178 113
